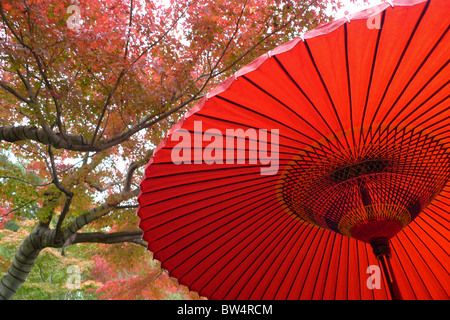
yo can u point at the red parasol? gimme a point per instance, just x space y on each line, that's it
314 167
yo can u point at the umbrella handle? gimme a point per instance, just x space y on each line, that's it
382 251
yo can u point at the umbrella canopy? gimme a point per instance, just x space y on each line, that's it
285 180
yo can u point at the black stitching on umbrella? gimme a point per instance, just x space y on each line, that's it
321 257
347 66
394 249
306 254
265 116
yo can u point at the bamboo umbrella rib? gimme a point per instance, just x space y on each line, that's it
398 64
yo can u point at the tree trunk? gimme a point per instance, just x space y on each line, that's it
23 261
42 237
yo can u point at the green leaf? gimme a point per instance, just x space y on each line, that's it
12 226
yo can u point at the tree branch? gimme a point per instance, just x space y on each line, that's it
27 182
10 27
98 187
75 142
67 192
268 35
101 237
93 214
14 92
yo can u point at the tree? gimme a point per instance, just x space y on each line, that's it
53 276
89 88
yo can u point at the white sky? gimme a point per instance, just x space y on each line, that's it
352 8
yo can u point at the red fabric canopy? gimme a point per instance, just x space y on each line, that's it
330 141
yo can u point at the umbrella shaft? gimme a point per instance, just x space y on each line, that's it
390 279
382 251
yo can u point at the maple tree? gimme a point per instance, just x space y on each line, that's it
86 94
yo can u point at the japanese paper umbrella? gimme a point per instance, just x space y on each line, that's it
315 167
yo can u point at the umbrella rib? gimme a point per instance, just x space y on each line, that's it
292 263
265 219
429 208
292 244
402 267
280 135
421 256
432 239
388 138
286 106
319 268
413 265
280 64
434 229
372 72
269 201
252 127
439 200
268 204
239 175
425 101
328 93
258 140
334 234
435 123
359 271
208 188
347 65
269 187
348 264
338 265
304 258
265 116
293 224
427 247
280 219
413 76
444 196
397 66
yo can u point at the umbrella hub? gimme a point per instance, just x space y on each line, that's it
368 192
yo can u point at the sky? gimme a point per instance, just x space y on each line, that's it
352 7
